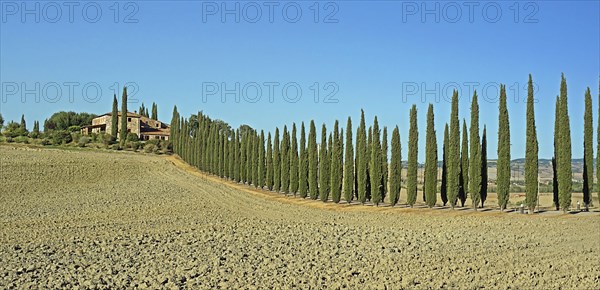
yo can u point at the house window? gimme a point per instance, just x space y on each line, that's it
157 125
128 119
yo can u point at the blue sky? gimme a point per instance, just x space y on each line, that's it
379 55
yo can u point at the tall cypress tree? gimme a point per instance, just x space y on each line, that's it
413 143
323 166
565 173
154 111
375 173
588 151
303 174
555 198
395 167
454 153
598 146
250 158
269 161
444 185
313 162
475 154
384 163
294 162
503 164
335 166
238 157
368 160
243 156
276 162
531 153
484 167
232 153
285 161
361 160
431 160
256 164
464 166
114 127
349 164
123 135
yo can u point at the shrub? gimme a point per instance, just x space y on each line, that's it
22 139
115 147
83 141
75 137
61 137
136 145
132 137
45 142
74 128
149 148
9 140
94 137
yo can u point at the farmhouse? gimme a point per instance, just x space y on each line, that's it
144 127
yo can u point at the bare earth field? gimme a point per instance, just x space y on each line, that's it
86 219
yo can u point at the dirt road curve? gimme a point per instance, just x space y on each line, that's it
116 220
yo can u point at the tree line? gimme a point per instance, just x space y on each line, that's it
341 167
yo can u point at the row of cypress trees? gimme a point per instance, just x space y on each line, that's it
336 168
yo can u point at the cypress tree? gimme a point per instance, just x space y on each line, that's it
256 163
349 164
232 153
123 134
384 163
313 162
588 151
294 162
243 155
250 158
503 164
238 157
413 143
114 118
368 161
555 198
598 147
361 161
329 158
454 153
484 167
475 157
285 161
142 110
375 173
276 162
444 185
531 153
395 167
173 136
270 171
565 174
323 166
431 160
335 168
464 166
303 174
154 111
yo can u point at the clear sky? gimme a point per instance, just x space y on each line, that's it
381 56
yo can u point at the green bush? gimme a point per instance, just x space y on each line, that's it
61 137
45 142
83 141
115 147
132 137
74 129
9 140
136 145
149 148
22 139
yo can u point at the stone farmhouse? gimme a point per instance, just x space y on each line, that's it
145 128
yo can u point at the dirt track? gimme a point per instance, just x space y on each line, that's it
144 222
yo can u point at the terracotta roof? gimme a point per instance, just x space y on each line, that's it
129 114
